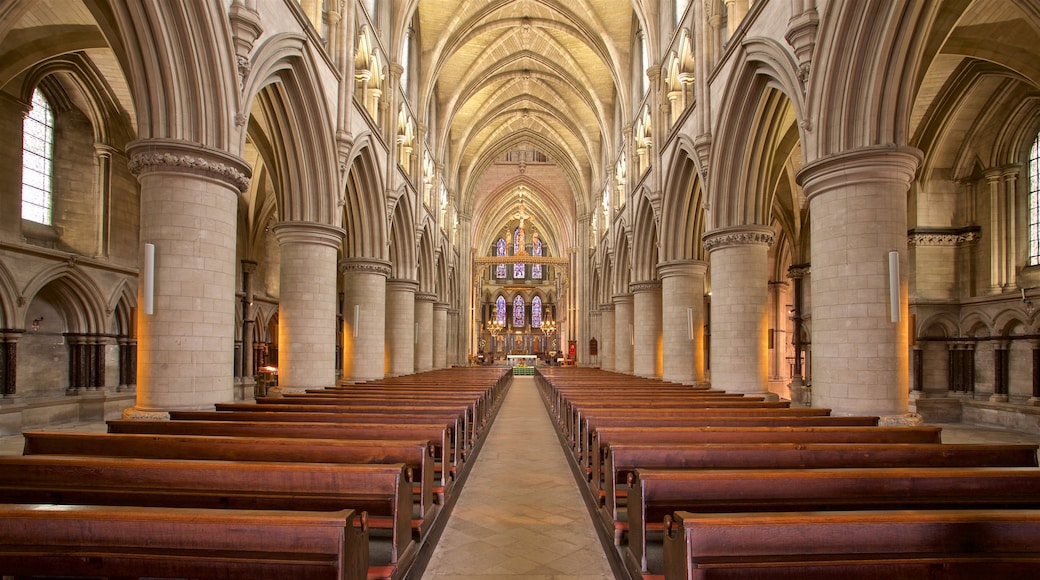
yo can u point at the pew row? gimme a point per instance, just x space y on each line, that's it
859 545
205 544
656 494
383 491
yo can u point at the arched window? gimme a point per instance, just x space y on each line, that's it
37 160
536 269
500 270
518 312
500 311
1034 203
536 312
519 270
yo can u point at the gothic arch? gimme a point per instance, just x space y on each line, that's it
645 239
364 206
122 304
402 245
682 209
622 264
9 298
289 100
427 263
75 294
762 105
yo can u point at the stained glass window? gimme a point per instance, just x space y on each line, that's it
500 270
518 312
1034 203
37 160
536 312
536 250
500 311
519 270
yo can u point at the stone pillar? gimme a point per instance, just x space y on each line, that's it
307 304
9 360
623 336
1035 399
682 320
440 335
606 341
189 211
248 376
858 207
364 318
400 327
739 298
1001 358
127 364
800 394
424 331
647 347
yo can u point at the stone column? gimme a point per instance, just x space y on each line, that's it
364 318
1035 399
189 211
1001 352
248 376
307 304
857 203
623 336
400 327
682 320
606 341
800 394
440 335
424 331
739 297
647 347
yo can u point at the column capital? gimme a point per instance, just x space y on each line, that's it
879 164
402 285
622 299
175 156
738 236
798 271
249 266
299 232
441 306
645 286
682 268
365 266
425 297
606 307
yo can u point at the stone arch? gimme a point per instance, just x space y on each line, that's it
427 263
622 275
364 206
287 91
764 103
79 297
682 210
9 299
402 247
645 239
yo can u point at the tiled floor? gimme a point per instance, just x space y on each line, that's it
520 513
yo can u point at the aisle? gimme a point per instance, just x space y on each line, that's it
520 513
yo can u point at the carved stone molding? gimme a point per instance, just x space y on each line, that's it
645 286
425 297
165 155
738 237
365 266
797 271
297 232
944 237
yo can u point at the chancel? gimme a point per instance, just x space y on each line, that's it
336 223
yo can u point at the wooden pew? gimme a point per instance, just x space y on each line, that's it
657 493
621 460
383 491
438 434
860 545
872 435
417 455
206 544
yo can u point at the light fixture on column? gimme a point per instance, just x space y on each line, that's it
893 284
36 324
148 274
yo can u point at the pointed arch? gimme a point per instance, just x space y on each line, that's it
402 250
682 209
363 204
645 247
77 295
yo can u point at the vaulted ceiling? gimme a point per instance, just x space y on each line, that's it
531 75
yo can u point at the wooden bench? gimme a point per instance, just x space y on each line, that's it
381 490
440 435
417 455
658 493
857 545
621 460
206 544
871 435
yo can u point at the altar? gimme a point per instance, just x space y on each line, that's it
523 364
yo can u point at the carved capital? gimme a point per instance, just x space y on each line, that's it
365 266
171 156
729 237
943 237
645 286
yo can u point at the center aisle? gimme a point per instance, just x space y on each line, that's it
520 513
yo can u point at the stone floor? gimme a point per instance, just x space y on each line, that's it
520 513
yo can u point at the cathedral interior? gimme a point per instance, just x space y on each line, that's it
833 203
